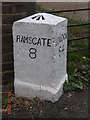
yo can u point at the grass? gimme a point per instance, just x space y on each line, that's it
78 71
77 66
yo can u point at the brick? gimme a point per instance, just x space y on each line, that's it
13 8
7 74
7 41
13 3
7 77
6 51
11 11
7 66
6 28
10 18
7 58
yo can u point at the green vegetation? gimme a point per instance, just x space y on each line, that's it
78 71
77 66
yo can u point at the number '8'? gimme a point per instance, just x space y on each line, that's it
32 53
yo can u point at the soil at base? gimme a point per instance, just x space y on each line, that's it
70 105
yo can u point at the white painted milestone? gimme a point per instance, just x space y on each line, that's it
40 56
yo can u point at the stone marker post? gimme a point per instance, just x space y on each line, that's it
40 56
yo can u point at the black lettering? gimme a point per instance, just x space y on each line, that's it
44 41
34 43
18 38
26 39
39 42
30 40
23 39
65 35
61 50
32 53
34 40
48 43
60 39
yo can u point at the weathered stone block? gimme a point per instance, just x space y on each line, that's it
40 56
